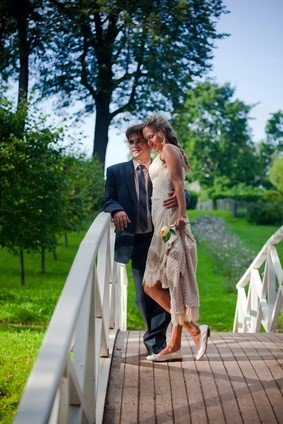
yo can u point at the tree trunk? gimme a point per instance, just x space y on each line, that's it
55 257
234 208
22 27
22 267
102 123
42 268
66 238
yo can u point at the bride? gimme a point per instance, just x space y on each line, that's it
172 264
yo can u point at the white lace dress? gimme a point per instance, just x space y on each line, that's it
173 263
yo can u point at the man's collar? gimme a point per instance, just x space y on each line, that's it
136 164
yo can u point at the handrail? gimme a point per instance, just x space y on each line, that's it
63 384
262 302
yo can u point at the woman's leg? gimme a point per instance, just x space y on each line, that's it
162 297
194 331
174 343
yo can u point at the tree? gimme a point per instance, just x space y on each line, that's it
85 190
20 37
48 187
274 131
276 173
273 144
213 128
122 56
31 186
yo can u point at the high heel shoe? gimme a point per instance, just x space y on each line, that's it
173 356
204 334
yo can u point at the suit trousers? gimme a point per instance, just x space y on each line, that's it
156 318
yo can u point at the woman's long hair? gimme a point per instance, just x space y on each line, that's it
160 124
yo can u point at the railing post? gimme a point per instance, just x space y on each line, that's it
262 304
63 384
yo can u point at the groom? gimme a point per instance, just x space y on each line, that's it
127 197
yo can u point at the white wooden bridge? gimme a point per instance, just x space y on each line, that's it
90 369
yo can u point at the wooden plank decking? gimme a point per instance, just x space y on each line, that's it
240 381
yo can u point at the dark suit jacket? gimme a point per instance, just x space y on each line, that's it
120 195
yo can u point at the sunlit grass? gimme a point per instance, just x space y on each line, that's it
24 314
19 347
33 303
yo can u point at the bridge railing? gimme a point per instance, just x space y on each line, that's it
260 290
71 365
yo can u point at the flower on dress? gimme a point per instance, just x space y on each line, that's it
166 233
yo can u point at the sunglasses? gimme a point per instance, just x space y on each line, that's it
137 141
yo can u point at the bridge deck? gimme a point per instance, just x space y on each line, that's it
240 381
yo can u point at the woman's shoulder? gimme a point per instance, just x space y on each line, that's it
171 150
170 146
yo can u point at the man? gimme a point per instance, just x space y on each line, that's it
127 197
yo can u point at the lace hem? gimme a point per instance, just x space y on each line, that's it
190 314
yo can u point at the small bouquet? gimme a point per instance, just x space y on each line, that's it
166 233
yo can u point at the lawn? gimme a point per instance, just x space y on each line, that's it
25 311
24 314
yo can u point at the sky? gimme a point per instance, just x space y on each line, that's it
251 59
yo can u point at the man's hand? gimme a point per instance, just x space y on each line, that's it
121 220
180 223
171 201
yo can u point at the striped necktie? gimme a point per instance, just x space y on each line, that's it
142 205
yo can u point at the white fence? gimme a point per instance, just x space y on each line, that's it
237 207
260 290
69 379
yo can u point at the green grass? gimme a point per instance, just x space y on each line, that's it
19 347
33 303
134 319
24 314
217 307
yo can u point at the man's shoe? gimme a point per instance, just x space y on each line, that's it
173 356
204 334
154 349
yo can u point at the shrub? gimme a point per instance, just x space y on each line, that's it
245 196
193 200
240 191
265 213
272 196
276 173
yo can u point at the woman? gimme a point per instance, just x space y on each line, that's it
172 265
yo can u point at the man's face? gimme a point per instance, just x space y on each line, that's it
139 148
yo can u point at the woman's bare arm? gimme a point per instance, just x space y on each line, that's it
172 157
